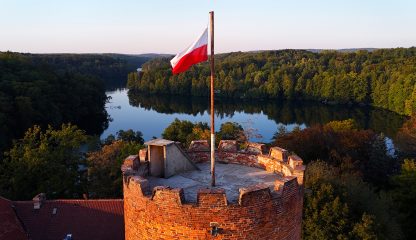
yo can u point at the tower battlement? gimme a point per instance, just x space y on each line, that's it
258 196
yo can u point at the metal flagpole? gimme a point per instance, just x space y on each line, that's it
211 16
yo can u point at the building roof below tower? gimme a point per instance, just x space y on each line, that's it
84 219
10 226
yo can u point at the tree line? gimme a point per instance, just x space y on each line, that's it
65 162
111 69
51 89
355 188
35 93
384 78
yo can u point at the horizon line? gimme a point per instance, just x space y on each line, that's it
259 50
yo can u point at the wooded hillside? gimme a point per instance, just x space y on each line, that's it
383 78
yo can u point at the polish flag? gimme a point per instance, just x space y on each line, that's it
196 53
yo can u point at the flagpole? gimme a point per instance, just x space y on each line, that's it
211 22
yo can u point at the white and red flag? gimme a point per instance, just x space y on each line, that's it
196 53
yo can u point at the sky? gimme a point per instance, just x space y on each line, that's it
169 26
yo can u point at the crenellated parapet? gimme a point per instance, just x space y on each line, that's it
277 160
261 211
208 196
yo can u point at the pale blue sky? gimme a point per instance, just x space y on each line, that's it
168 26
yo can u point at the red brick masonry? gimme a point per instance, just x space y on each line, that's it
162 213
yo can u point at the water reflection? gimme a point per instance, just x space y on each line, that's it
281 112
152 114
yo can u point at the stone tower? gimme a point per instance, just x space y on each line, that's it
167 193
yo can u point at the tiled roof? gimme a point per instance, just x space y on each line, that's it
10 226
84 219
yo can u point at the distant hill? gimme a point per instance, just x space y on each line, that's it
346 50
154 55
319 50
111 68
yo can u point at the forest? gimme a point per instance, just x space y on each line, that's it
51 89
384 78
354 189
111 69
51 106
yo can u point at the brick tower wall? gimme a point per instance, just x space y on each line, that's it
162 213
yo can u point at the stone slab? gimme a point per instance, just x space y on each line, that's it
230 177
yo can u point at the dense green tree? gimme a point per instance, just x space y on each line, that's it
130 136
380 166
366 229
109 139
104 175
404 195
186 131
49 161
326 216
341 144
178 131
232 131
343 125
341 206
406 138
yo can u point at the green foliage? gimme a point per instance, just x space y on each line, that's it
109 139
104 174
47 161
110 69
326 217
281 131
365 229
232 131
406 138
186 131
361 151
179 131
384 78
341 206
340 200
126 136
380 165
33 92
343 125
404 195
130 136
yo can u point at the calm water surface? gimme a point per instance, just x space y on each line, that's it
152 114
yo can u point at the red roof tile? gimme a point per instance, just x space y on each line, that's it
84 219
10 226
